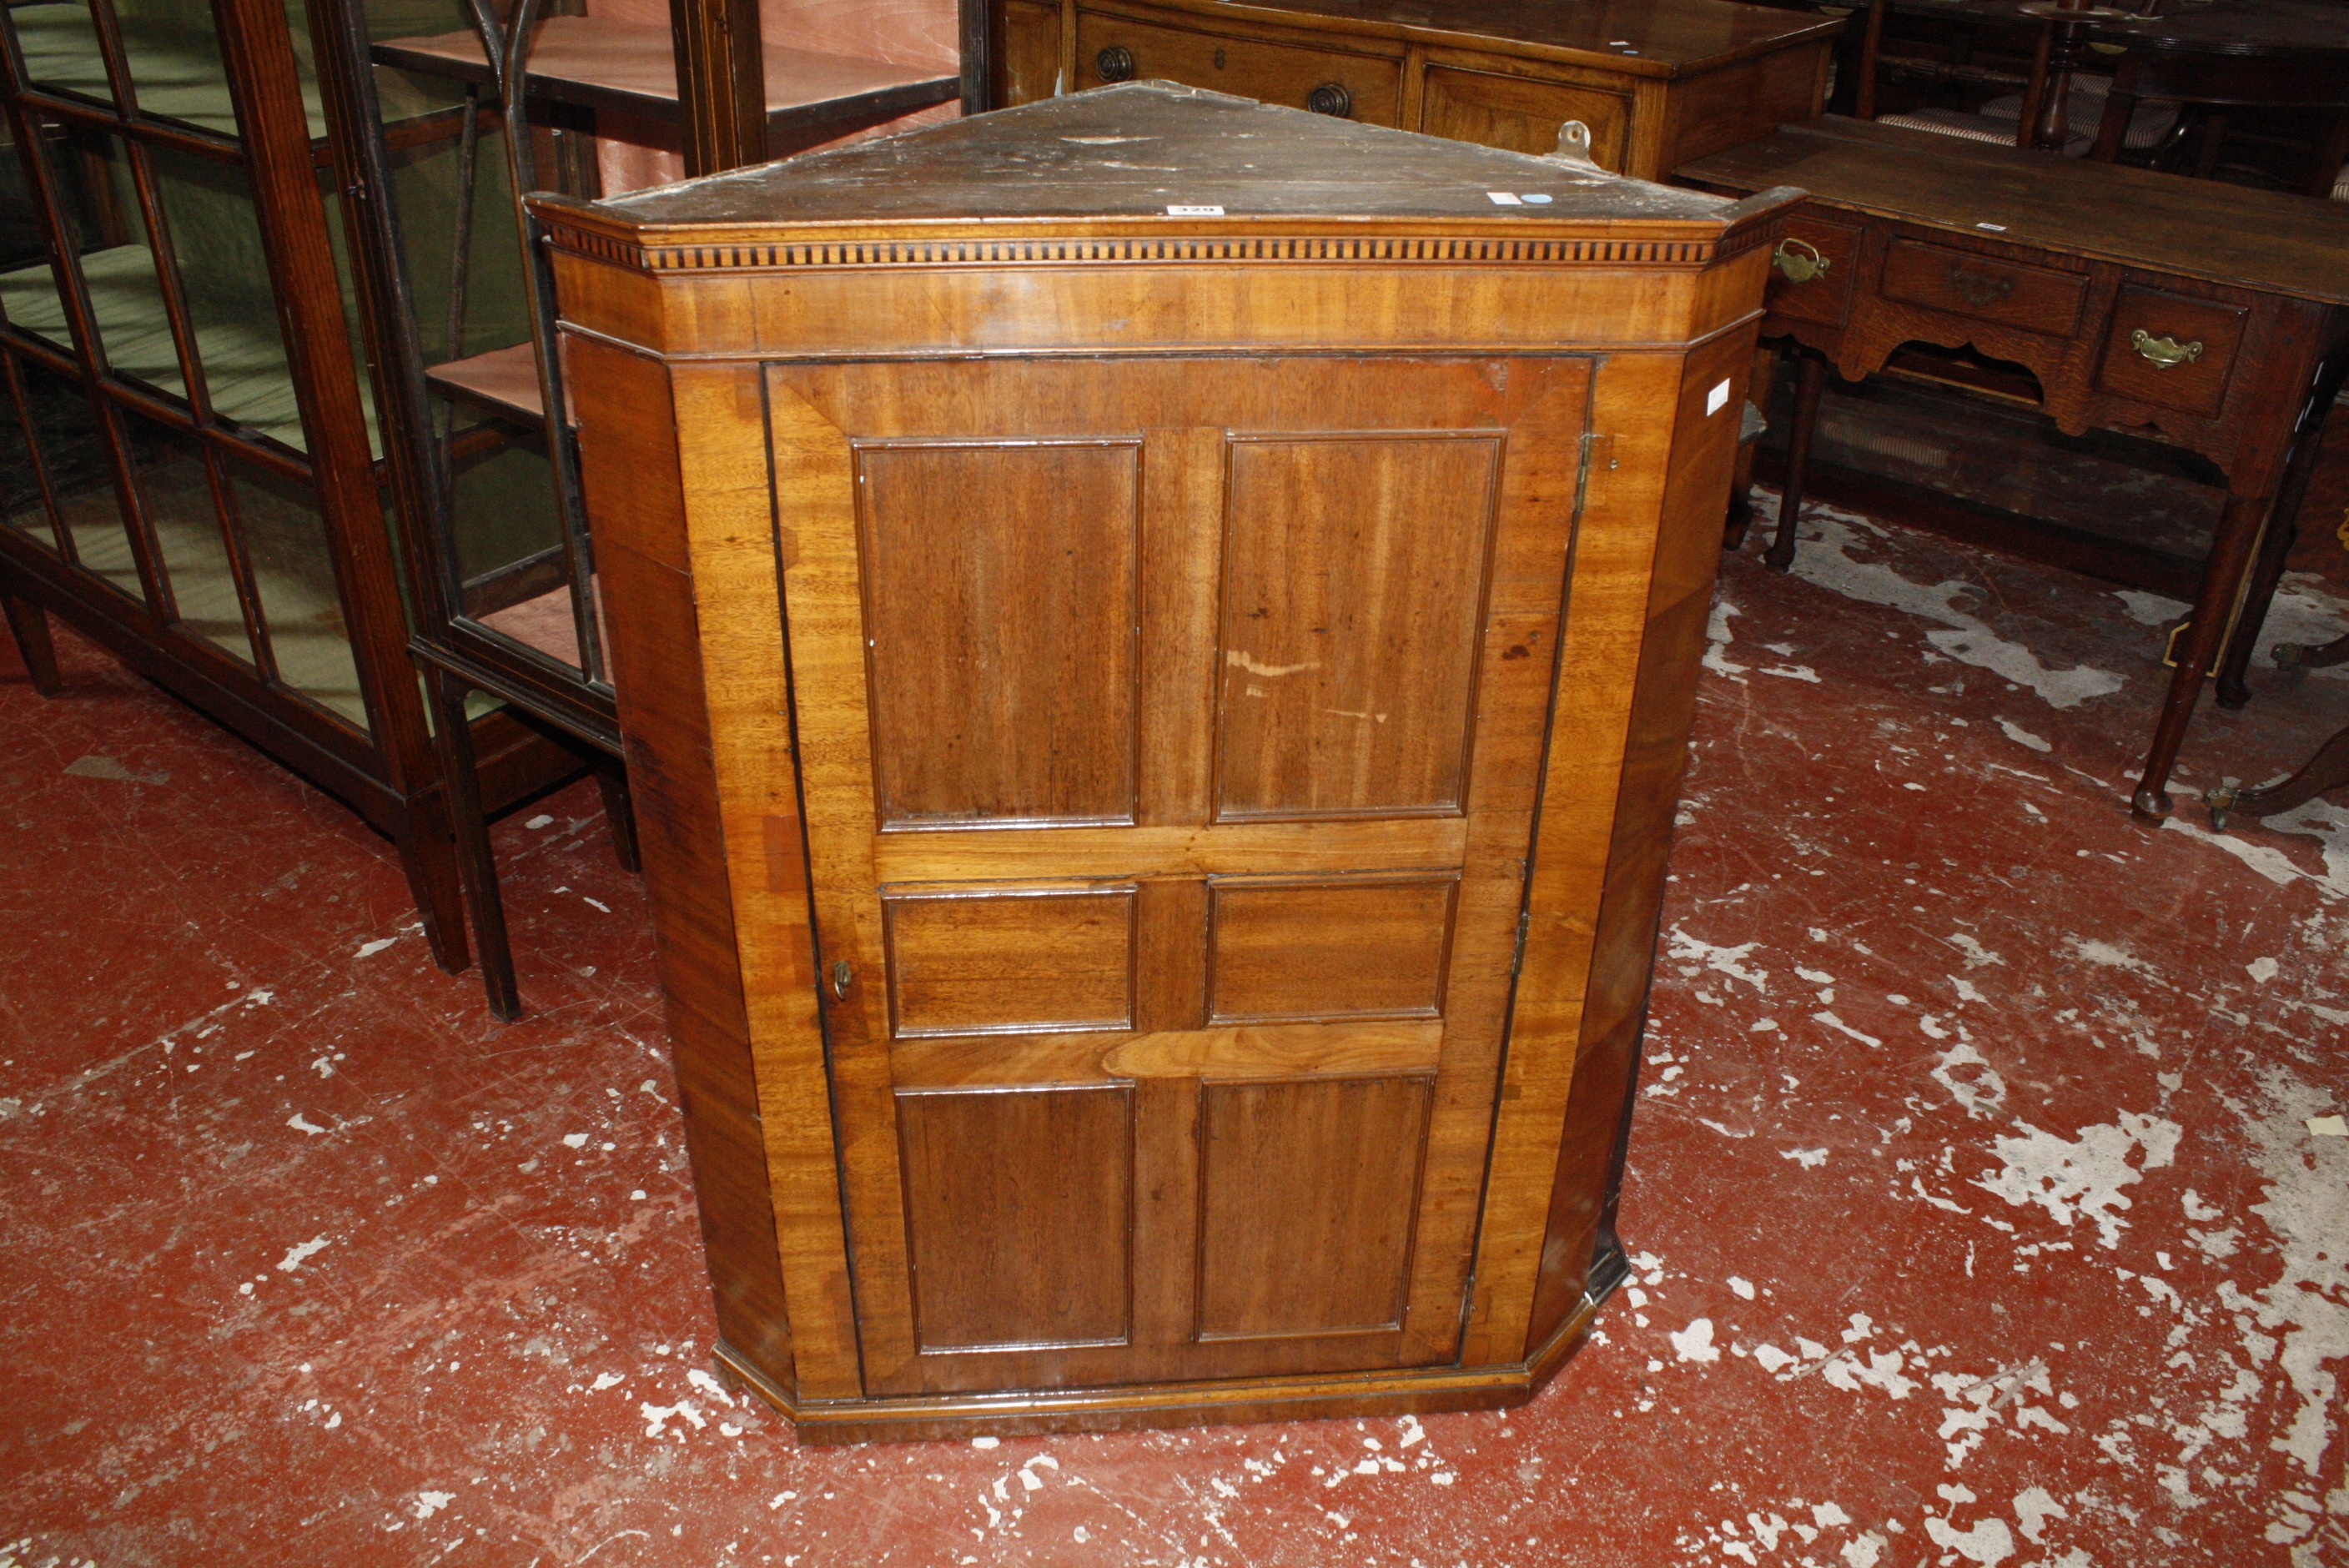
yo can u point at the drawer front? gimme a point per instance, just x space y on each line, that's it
1029 62
1811 270
1523 115
1963 282
2171 350
1364 86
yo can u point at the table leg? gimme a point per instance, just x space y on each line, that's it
1810 380
2283 527
2223 574
1759 385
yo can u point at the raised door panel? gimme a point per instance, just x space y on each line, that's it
985 961
1353 588
999 602
1307 1196
1523 115
1018 1212
1343 947
1289 975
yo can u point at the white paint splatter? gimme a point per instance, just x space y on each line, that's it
369 949
575 1140
1829 564
1729 960
2034 1507
2023 736
302 1124
655 1416
605 1380
1988 1542
1808 1158
1977 955
296 1255
540 820
2152 609
1832 1022
2263 970
1980 1091
2111 956
429 1503
1694 1342
1718 636
2082 1178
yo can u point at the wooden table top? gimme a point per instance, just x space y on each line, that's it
627 65
2294 245
1156 150
1638 37
2221 26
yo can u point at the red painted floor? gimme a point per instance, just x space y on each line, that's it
1978 1216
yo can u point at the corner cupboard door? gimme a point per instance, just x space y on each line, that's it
1170 731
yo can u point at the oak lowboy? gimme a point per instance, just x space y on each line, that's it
1156 639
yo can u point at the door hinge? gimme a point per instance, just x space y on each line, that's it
1524 923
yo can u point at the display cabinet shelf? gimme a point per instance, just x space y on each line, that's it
595 64
502 384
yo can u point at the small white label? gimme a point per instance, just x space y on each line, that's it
1717 399
1505 198
1183 212
1993 228
1536 198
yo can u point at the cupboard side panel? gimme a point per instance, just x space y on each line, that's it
1679 601
731 530
635 483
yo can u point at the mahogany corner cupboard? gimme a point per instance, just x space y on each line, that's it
1155 637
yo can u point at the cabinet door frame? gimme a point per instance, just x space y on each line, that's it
1536 410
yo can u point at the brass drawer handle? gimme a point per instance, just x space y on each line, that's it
1116 64
1798 267
2164 352
1980 288
1332 99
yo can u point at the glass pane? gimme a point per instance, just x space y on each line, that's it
293 578
174 56
177 495
21 506
510 547
99 202
60 43
225 274
28 289
73 452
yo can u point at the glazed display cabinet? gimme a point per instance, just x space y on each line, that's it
1158 688
190 451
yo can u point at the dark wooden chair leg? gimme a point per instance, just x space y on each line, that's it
1810 380
476 866
620 813
29 625
2327 771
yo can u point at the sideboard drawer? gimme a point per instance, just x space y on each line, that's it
1811 270
2171 350
1352 86
1966 282
1522 113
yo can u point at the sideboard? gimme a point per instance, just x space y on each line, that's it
1157 685
1657 82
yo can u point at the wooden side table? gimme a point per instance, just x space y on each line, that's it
2202 316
